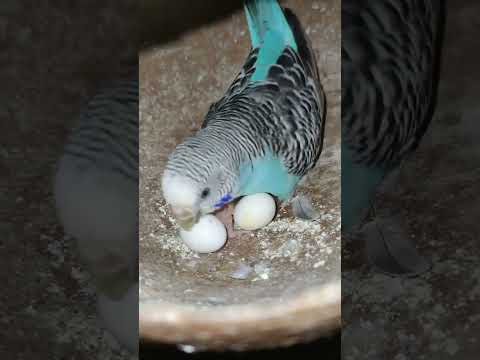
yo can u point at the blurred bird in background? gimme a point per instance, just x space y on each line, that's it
96 195
390 63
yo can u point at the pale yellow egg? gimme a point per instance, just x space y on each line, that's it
254 211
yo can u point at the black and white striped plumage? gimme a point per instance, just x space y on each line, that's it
390 51
284 113
106 134
96 187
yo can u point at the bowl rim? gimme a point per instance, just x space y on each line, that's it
313 312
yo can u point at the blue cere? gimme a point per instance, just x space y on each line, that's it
225 199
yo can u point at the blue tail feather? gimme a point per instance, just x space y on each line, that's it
270 31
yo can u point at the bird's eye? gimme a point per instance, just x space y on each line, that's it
205 193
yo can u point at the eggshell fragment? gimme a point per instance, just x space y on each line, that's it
254 211
206 236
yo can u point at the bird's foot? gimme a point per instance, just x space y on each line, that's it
225 215
390 250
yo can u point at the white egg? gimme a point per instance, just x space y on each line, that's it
206 236
254 211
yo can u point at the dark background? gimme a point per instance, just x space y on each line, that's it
328 349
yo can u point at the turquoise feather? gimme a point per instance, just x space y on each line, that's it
267 174
359 184
270 31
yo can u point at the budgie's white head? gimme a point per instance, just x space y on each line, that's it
189 198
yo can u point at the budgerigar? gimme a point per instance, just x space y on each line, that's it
96 195
390 58
264 134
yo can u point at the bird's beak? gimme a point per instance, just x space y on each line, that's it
186 218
